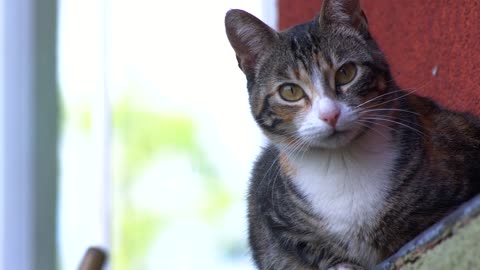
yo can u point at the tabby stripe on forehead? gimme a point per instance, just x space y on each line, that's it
299 53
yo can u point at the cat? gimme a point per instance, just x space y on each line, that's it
355 166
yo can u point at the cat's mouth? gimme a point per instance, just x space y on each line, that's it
336 138
338 132
331 137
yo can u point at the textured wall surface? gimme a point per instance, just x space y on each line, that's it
417 37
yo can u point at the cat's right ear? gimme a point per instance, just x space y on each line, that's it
344 12
249 37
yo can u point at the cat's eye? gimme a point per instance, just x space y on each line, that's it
291 92
345 74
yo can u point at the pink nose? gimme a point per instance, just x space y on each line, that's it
331 117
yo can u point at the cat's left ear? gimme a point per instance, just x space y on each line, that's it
344 12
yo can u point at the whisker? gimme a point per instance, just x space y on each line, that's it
419 87
377 97
397 118
375 123
304 150
296 145
388 101
389 109
371 128
396 122
284 150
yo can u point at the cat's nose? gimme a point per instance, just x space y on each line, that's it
331 117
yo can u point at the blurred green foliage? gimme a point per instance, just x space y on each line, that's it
137 229
142 135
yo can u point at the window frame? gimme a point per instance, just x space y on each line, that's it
28 127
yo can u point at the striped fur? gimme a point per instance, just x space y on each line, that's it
349 194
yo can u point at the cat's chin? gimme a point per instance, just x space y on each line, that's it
334 140
337 139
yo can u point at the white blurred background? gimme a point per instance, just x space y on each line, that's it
156 140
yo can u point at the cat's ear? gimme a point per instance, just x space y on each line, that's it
249 37
344 12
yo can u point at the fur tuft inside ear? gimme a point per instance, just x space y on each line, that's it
249 37
344 12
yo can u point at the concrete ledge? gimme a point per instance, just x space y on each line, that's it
452 243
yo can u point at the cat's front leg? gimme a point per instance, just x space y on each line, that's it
346 266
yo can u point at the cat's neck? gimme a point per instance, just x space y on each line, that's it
347 187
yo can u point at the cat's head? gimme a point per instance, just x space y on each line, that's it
307 85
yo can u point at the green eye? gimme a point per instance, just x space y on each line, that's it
291 92
345 74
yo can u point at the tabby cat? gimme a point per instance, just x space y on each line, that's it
355 166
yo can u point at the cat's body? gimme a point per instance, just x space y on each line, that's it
361 204
355 167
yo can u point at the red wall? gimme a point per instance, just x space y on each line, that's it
416 36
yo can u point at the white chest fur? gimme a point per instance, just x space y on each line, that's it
347 187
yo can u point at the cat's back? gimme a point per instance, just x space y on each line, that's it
451 140
437 169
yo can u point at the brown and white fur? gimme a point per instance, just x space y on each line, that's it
354 168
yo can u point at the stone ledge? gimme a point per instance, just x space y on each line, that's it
452 243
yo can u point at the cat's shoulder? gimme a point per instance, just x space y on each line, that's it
264 166
268 154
